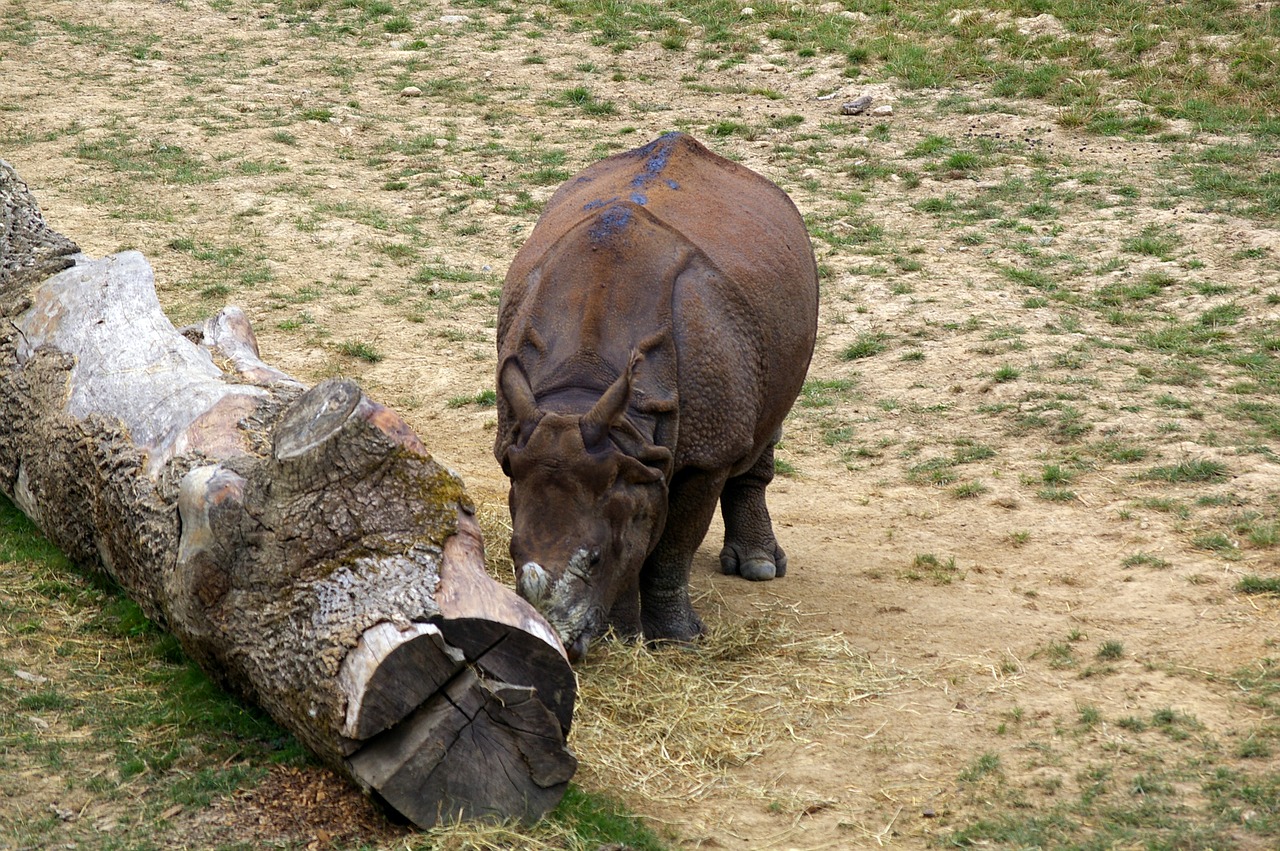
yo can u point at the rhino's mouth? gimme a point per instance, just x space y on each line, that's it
565 602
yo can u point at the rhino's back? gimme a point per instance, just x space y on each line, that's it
746 225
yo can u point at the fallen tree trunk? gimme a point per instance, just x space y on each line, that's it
301 544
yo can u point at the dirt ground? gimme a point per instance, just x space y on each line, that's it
995 652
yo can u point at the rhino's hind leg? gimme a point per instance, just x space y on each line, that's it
750 549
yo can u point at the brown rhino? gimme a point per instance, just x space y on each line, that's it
653 332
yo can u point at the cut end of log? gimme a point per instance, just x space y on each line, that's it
391 672
478 750
438 734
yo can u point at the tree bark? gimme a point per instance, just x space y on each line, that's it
301 544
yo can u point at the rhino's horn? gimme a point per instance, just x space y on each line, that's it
518 393
608 411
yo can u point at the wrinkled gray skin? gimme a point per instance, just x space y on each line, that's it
652 335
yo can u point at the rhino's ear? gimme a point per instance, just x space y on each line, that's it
517 393
653 465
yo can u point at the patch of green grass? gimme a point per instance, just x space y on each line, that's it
1005 373
1153 241
986 765
1259 585
398 25
440 272
1144 560
1110 651
483 399
1055 474
1189 471
824 392
125 699
1120 452
937 570
582 97
21 542
157 161
867 345
600 821
969 490
361 350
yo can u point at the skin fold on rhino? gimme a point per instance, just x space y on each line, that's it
653 333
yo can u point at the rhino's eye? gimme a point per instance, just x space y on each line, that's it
594 558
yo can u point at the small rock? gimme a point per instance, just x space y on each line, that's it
929 813
441 143
857 106
63 813
881 111
30 678
411 92
767 67
454 19
747 12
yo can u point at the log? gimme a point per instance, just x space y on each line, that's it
301 543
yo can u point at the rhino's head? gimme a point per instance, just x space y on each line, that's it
584 513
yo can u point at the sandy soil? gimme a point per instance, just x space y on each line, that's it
972 651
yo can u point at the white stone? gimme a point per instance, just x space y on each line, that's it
885 109
454 19
411 92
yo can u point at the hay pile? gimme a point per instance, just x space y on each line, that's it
671 723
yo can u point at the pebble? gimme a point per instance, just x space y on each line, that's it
747 12
886 109
411 92
454 19
857 106
441 143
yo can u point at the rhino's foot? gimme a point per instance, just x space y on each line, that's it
756 565
683 629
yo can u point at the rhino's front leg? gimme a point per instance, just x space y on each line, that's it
750 549
665 610
624 616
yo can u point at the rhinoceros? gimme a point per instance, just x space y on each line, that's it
653 333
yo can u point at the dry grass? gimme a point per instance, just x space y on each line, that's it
671 723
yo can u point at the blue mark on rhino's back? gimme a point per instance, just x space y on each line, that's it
656 155
611 222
